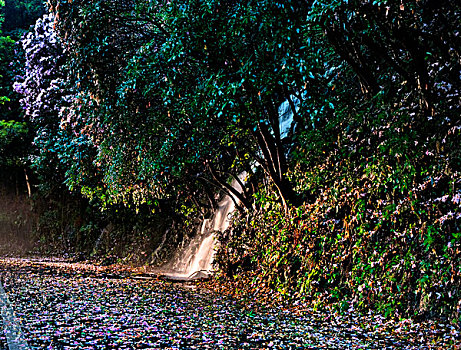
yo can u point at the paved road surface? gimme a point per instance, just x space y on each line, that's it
61 307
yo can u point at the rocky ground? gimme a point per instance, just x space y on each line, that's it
78 306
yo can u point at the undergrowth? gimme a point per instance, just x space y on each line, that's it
380 230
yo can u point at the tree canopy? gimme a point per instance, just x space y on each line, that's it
151 102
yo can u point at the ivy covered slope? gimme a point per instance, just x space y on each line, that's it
378 167
164 103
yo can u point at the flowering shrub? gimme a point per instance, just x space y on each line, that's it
42 88
43 77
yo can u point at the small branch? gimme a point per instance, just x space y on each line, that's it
232 191
29 192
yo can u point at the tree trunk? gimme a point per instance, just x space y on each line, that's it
275 165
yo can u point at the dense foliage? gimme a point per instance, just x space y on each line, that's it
16 17
383 224
161 104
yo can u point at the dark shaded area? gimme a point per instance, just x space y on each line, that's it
20 15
